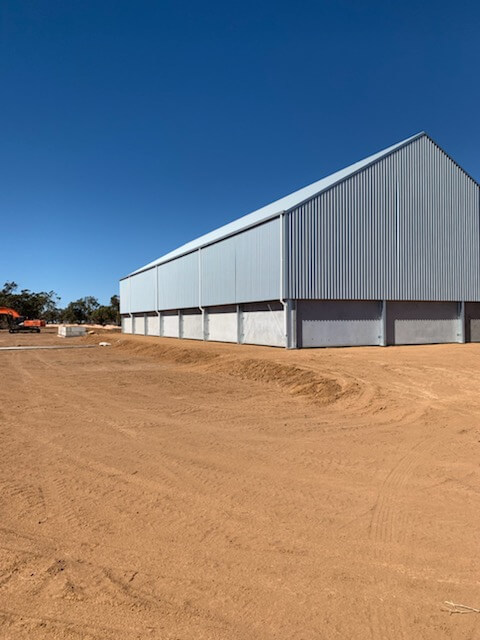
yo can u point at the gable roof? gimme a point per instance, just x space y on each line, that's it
277 207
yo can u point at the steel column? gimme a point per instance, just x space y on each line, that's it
384 326
461 333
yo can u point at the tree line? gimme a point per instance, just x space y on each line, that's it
44 305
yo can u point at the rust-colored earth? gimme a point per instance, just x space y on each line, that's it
178 490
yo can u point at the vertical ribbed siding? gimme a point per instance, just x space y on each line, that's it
243 268
218 273
405 228
178 282
257 268
125 296
142 291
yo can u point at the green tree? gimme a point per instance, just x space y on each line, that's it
104 315
44 305
27 303
80 311
115 305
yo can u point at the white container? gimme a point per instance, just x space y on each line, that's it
67 331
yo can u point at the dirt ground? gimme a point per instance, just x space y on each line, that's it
178 490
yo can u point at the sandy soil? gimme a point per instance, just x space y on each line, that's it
179 490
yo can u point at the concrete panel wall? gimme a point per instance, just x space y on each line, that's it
192 325
422 322
263 324
222 324
170 325
126 325
153 325
334 323
472 321
139 325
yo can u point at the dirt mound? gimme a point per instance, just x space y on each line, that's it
152 348
298 381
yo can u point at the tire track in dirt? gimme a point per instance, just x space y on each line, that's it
392 523
22 623
390 526
172 476
80 463
384 524
23 497
360 451
202 477
387 622
68 507
71 512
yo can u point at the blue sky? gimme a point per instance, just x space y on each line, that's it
129 128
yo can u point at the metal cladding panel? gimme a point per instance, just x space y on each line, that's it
405 228
257 268
178 283
142 291
242 268
125 296
218 273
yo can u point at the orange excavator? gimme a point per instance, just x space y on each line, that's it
17 323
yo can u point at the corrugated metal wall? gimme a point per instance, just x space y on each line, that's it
178 283
218 262
125 296
406 228
243 268
257 270
142 292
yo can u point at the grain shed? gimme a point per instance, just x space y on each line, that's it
386 251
